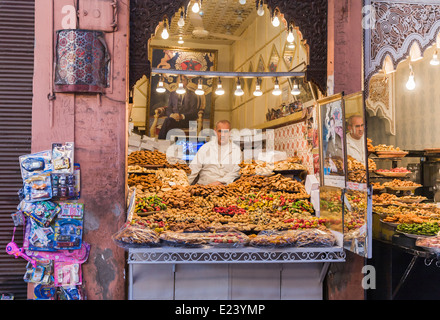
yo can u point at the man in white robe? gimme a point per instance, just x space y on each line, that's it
217 162
355 138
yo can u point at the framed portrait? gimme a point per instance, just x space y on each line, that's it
182 59
333 161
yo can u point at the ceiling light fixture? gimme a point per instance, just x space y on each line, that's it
199 91
165 35
181 22
290 36
411 84
180 41
258 91
275 20
180 88
276 90
196 7
239 91
434 61
219 91
160 87
295 89
260 10
242 1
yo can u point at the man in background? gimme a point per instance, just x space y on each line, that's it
355 138
217 162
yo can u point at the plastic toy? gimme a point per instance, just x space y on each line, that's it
35 164
13 249
32 164
62 157
42 292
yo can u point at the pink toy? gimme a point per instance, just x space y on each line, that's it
13 249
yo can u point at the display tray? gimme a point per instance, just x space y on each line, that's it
414 236
432 150
391 154
430 249
295 171
410 199
392 174
409 188
391 224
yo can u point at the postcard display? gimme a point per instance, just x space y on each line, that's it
52 222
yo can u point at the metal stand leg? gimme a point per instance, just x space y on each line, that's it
405 275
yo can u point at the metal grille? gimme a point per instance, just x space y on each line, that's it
16 76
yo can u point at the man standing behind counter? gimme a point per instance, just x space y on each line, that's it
217 162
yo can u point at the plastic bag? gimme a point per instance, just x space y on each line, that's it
274 239
314 238
185 239
228 239
136 236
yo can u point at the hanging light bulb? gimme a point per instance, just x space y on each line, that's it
165 35
199 91
275 20
258 91
180 41
196 7
295 90
160 87
181 22
219 91
180 88
434 60
411 84
260 10
239 91
276 90
242 1
290 36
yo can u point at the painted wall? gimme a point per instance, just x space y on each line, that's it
97 126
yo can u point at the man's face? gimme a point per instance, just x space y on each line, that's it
357 128
223 132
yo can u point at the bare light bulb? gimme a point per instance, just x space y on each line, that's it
276 90
258 91
260 10
239 91
165 35
411 84
434 61
199 91
219 91
195 8
181 22
160 87
295 90
180 41
276 21
290 37
242 1
180 89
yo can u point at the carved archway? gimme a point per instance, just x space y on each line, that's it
310 16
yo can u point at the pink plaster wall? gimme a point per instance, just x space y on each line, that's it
345 44
98 128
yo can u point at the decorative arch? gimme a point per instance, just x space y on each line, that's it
397 27
310 16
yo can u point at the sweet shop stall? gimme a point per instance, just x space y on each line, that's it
403 144
274 230
50 217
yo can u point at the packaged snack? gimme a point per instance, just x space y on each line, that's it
228 239
37 188
314 238
274 239
136 236
185 239
63 157
35 164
